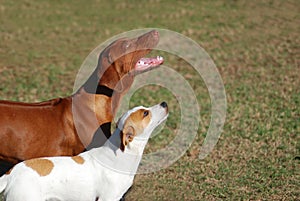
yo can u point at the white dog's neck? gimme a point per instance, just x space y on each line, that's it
110 155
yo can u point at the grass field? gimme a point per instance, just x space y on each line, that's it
255 46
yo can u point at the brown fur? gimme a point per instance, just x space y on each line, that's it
54 128
78 159
42 166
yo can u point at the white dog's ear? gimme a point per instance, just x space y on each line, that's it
127 135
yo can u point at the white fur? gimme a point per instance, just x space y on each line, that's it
106 174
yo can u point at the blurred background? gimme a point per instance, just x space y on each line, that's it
255 46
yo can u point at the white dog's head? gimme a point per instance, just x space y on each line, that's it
138 123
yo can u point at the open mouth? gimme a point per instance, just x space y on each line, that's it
148 63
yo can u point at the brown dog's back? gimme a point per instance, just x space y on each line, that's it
38 129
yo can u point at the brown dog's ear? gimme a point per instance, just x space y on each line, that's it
119 87
127 136
124 83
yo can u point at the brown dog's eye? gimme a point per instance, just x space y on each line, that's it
145 113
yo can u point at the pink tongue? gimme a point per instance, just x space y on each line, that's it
145 63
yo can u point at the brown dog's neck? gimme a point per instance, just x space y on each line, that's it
100 90
93 86
89 112
98 104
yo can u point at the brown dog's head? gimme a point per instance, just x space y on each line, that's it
124 58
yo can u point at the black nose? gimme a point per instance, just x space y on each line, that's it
164 104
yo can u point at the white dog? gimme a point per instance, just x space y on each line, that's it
104 173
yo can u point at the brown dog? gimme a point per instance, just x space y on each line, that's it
65 126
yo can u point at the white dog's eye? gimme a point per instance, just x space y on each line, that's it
145 113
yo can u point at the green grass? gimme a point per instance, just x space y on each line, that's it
255 45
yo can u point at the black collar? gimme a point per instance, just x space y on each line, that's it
91 87
101 89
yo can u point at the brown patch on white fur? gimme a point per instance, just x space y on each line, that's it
42 166
134 125
78 159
